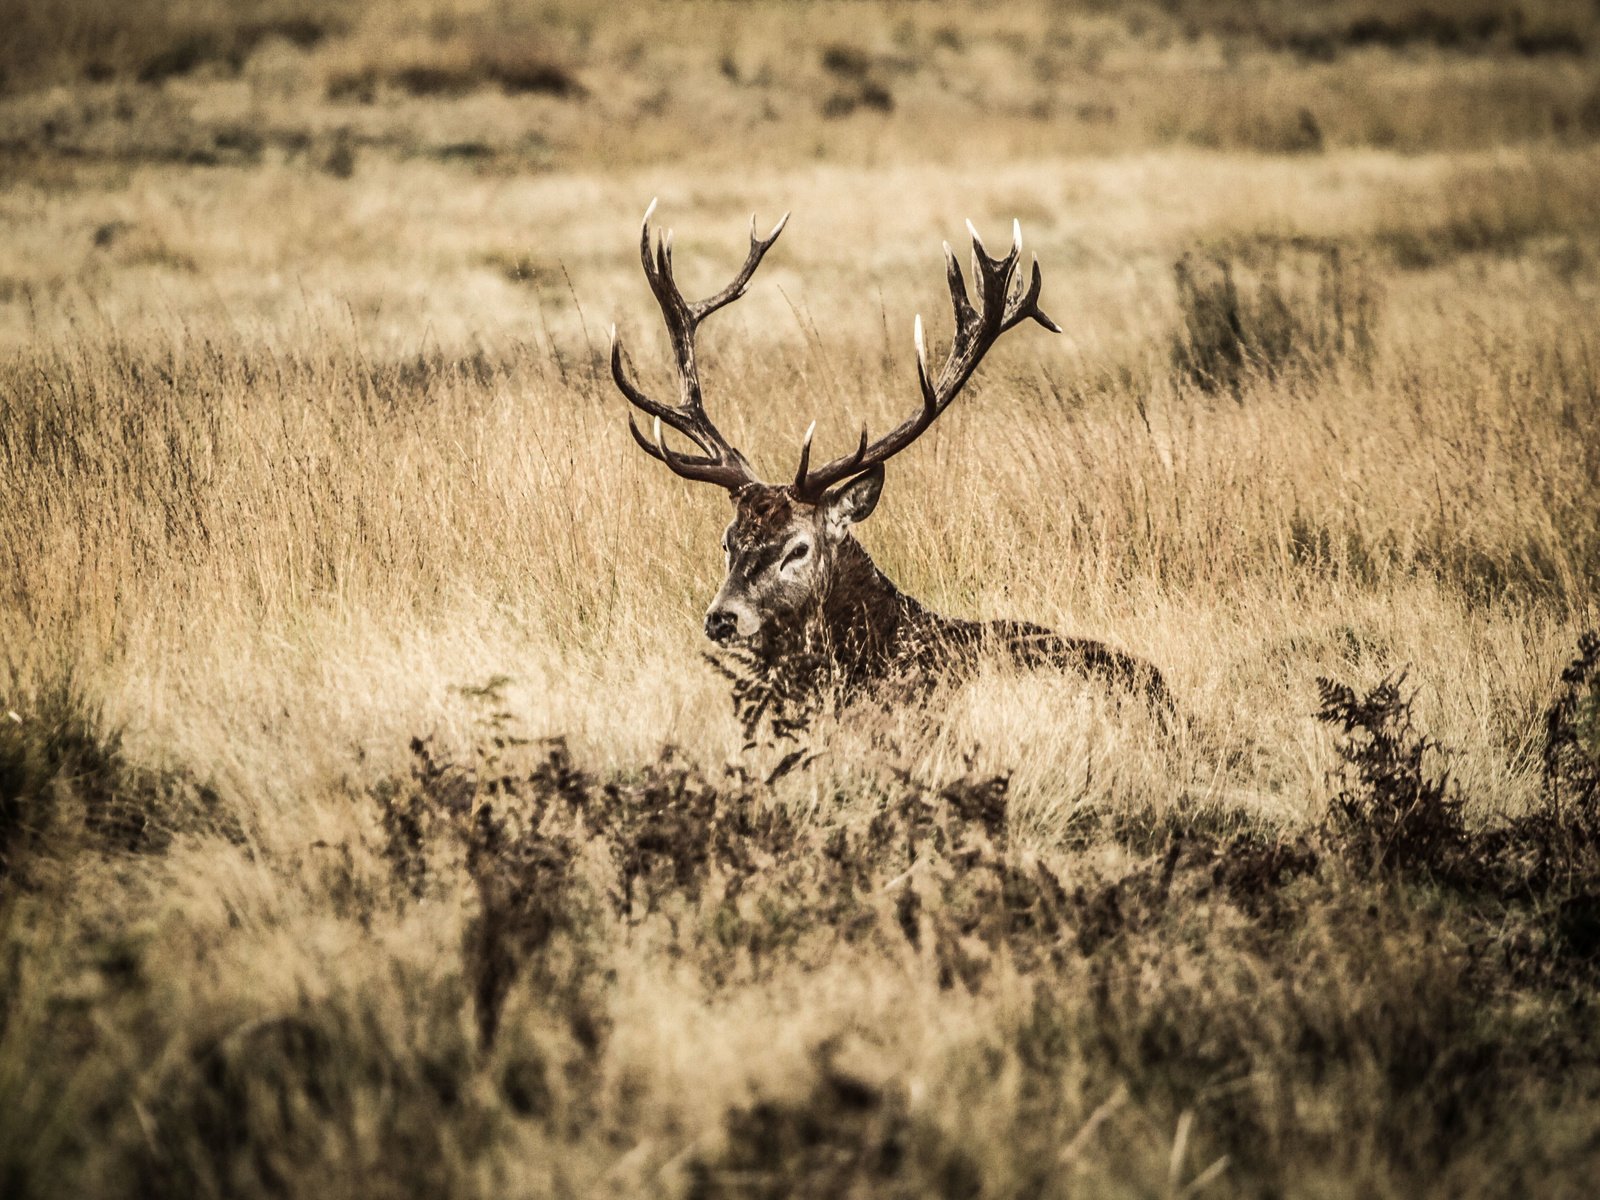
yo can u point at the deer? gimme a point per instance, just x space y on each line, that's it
802 595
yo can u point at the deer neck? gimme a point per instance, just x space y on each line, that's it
862 617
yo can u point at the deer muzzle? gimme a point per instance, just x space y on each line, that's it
731 618
721 625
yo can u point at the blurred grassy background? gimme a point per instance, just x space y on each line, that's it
307 448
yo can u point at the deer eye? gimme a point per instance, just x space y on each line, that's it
796 555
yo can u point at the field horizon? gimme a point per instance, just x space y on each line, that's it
372 821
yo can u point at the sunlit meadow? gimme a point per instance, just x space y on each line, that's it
371 819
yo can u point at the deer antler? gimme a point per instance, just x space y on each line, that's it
719 461
976 330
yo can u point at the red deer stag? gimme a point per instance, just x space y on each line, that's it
800 589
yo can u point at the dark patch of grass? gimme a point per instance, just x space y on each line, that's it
858 84
851 1133
515 69
1286 131
247 1108
524 269
431 80
868 94
64 775
224 45
340 158
1325 32
182 57
517 76
1404 30
109 232
1241 321
1493 212
1304 136
875 96
1588 115
1393 817
846 61
239 143
354 87
464 152
1541 42
837 104
1476 233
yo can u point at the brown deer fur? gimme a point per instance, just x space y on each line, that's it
870 635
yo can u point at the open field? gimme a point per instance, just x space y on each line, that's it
370 821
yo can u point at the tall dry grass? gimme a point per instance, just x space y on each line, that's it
318 515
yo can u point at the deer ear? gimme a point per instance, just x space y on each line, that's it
853 501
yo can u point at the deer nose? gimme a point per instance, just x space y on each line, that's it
721 624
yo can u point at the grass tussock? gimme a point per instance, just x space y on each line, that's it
1269 321
66 781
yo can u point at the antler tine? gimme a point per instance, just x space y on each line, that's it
722 463
804 476
703 470
805 455
958 290
976 329
1027 304
758 249
676 418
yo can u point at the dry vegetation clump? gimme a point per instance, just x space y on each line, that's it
1493 212
1168 1010
1395 816
774 707
859 82
1270 322
1392 815
152 41
1328 31
1572 731
516 66
64 776
1453 21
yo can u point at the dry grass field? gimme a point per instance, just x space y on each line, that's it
371 821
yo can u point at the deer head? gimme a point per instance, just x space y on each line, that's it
786 541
